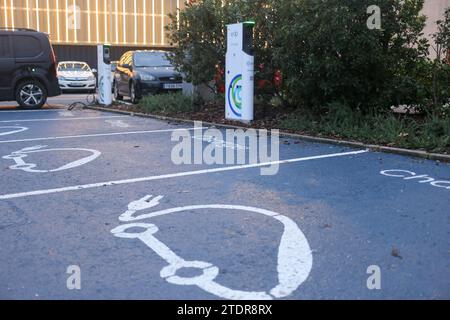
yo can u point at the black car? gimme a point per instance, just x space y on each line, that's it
27 67
141 73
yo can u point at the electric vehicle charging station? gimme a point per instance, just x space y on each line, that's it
240 72
104 74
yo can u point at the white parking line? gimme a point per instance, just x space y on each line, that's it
97 135
172 175
63 119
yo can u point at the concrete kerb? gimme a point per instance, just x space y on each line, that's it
46 107
378 148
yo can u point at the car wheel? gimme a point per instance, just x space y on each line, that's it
117 96
31 94
133 96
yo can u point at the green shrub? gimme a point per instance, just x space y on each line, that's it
328 54
324 48
198 36
171 103
440 70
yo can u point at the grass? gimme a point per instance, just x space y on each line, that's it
166 104
430 133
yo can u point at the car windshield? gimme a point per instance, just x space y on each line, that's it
73 66
151 59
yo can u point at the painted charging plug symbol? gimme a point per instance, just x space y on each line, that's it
294 253
19 158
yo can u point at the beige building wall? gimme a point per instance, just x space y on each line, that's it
118 22
434 10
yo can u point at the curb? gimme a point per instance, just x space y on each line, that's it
45 107
377 148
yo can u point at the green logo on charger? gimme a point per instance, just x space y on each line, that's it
235 95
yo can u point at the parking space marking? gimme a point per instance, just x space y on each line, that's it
98 135
174 175
118 123
294 261
16 129
18 158
64 119
66 113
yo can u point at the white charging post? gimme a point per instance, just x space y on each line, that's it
104 74
240 72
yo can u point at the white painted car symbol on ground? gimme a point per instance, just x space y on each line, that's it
294 253
16 129
19 156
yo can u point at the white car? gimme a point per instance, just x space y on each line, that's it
76 76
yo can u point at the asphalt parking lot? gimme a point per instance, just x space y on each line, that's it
99 191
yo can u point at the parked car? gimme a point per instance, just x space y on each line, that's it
76 76
27 67
140 73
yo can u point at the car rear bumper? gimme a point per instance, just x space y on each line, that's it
77 85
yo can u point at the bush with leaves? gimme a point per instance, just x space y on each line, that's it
440 66
198 34
324 49
328 54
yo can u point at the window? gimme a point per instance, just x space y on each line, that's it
123 59
73 66
127 58
5 49
151 59
26 46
